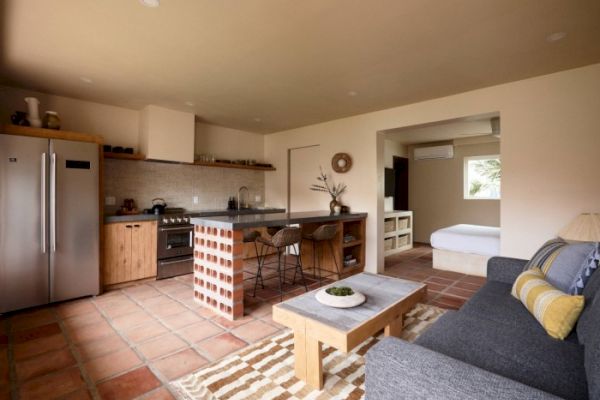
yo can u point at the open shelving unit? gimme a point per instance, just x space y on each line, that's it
355 248
397 231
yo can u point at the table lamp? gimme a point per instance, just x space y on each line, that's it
584 228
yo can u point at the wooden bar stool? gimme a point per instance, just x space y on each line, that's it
271 230
250 237
280 241
323 234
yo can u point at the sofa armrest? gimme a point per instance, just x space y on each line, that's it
396 369
504 269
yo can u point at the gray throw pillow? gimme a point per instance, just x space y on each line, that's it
563 263
589 267
542 254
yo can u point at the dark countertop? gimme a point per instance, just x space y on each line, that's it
108 218
278 219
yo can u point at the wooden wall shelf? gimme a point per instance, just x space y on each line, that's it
9 129
142 157
238 166
125 156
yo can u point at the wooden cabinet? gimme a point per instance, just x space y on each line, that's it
349 246
129 251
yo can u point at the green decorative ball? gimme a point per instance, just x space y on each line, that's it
340 291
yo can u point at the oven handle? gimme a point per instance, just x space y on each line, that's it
180 228
176 261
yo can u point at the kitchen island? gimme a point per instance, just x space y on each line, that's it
219 247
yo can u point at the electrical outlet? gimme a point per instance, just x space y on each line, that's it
258 198
195 199
110 200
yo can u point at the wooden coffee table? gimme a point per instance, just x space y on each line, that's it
313 323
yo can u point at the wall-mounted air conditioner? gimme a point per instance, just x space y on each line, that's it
434 152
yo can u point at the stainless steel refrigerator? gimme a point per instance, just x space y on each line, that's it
49 221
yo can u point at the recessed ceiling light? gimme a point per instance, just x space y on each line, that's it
189 103
556 36
86 79
150 3
352 93
257 119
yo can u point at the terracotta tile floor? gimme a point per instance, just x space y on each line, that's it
127 343
445 289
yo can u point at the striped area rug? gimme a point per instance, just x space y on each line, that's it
266 369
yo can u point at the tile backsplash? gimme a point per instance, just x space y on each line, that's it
178 184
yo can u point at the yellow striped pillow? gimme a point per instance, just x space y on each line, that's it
555 310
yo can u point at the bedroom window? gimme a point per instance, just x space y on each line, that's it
482 177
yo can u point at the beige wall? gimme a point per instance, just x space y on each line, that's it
178 184
227 143
549 147
118 126
436 193
302 160
390 149
121 126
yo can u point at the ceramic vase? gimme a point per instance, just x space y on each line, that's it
33 112
332 204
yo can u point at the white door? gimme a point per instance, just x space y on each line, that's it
303 172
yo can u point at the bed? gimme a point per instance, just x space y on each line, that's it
465 248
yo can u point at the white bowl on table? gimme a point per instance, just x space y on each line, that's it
350 301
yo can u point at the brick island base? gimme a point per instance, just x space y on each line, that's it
219 269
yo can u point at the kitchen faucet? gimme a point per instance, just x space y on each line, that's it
239 202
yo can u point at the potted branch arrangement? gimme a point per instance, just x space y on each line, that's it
329 187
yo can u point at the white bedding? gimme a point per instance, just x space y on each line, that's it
474 239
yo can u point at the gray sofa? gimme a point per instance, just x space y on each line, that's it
492 348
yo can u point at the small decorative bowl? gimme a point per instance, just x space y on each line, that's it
347 301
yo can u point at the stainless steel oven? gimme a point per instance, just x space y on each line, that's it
175 246
174 241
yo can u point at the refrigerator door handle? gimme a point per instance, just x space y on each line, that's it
43 202
53 203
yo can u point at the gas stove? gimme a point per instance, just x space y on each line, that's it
173 219
172 216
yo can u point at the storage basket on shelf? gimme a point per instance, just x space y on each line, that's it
402 240
388 244
389 225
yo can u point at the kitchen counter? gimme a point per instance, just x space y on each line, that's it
236 222
219 249
110 218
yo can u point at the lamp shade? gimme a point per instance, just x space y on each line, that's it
584 228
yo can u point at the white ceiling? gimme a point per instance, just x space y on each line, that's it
287 63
